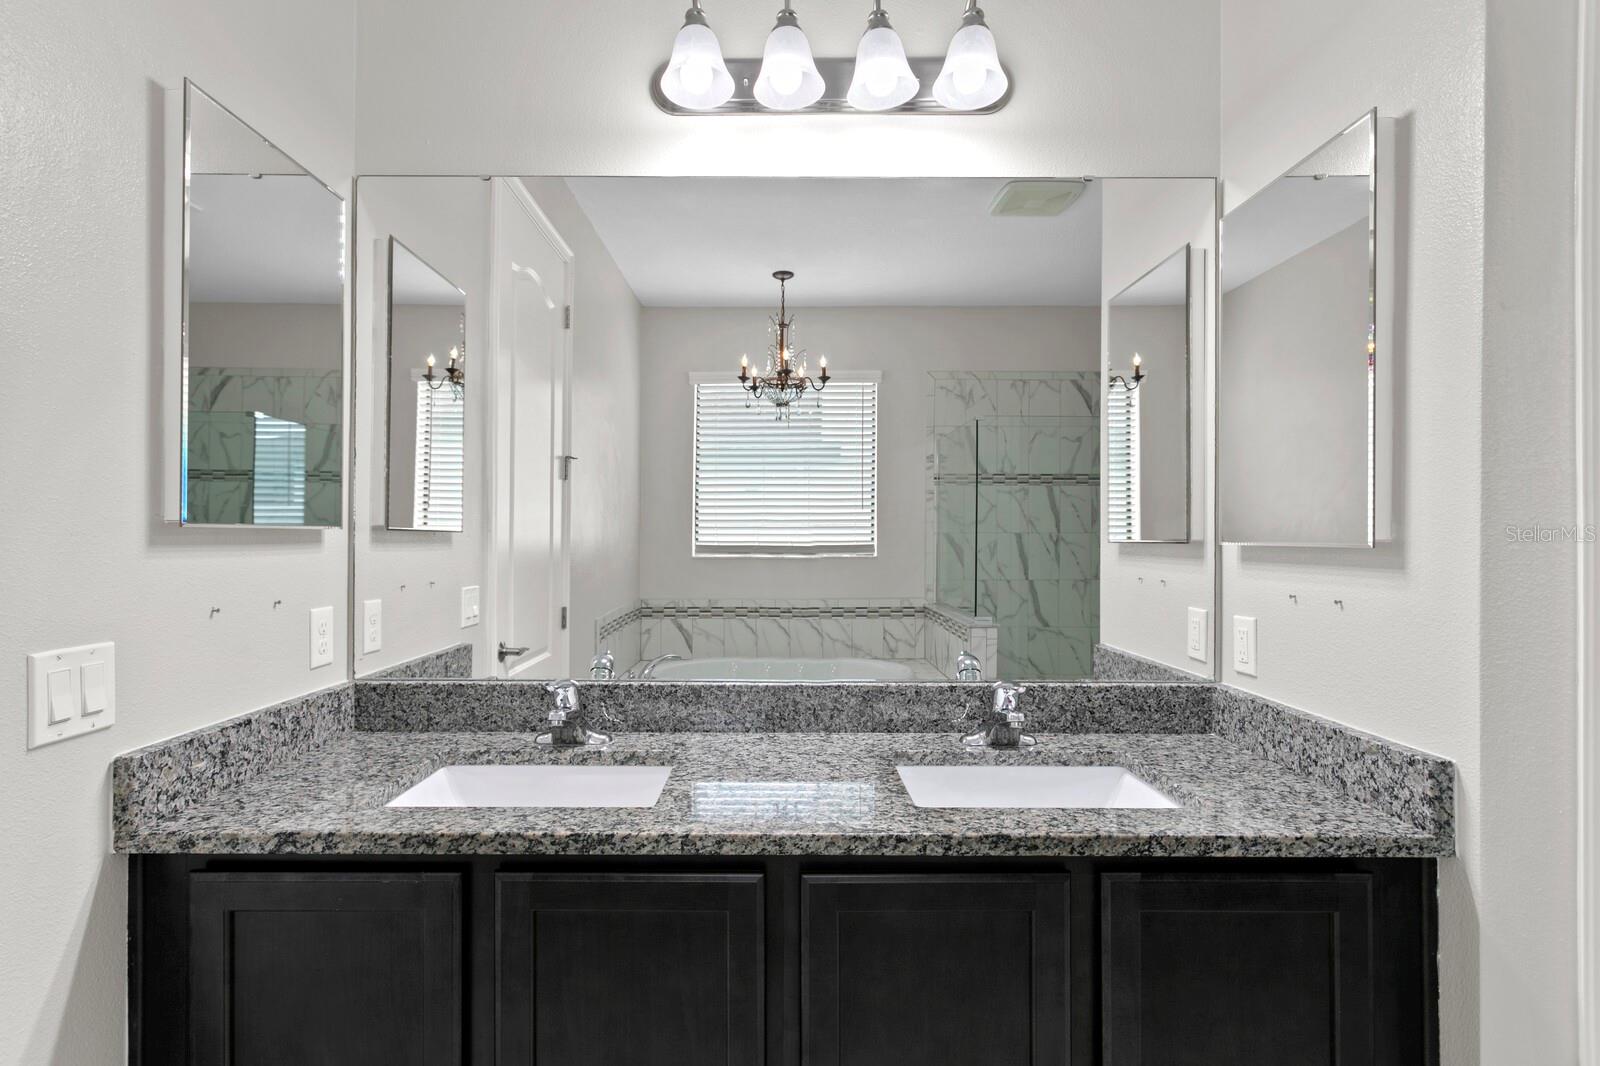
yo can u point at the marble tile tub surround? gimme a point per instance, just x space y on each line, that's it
454 663
163 778
717 802
1114 664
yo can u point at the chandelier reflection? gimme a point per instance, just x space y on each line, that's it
784 380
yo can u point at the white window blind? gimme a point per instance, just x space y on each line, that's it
279 474
808 486
1122 463
438 484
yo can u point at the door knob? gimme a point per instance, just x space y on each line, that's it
508 651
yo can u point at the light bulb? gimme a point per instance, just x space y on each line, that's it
695 77
430 360
788 80
1138 360
882 78
972 77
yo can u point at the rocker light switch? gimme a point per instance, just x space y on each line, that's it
62 705
96 698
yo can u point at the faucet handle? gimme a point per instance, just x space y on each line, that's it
566 694
968 668
1005 696
603 667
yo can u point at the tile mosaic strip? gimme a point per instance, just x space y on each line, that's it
1114 664
777 610
452 662
1016 479
1412 785
164 778
667 707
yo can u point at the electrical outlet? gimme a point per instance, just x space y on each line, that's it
71 691
1196 640
321 637
1244 645
469 606
371 626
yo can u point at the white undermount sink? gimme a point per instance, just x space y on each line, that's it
1028 787
537 786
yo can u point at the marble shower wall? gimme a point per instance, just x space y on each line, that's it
221 464
1013 506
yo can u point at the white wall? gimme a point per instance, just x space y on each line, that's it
90 559
551 87
1146 590
903 344
606 362
418 576
1451 638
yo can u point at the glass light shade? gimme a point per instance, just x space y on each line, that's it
971 77
788 80
882 77
696 77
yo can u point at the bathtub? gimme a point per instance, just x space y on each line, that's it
754 669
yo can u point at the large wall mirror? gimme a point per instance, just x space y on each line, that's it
1302 452
262 339
852 446
426 396
1147 406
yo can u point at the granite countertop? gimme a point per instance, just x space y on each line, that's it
842 796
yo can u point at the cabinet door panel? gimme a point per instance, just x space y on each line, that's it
1215 970
934 969
348 969
630 969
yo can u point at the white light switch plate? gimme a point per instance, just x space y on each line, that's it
371 626
1244 645
321 637
469 606
71 691
1195 641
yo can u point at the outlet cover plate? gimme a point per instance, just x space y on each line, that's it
371 626
1244 645
1196 639
321 637
470 606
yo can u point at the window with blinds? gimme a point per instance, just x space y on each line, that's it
438 484
1122 464
808 486
278 477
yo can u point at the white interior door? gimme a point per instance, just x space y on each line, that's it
532 280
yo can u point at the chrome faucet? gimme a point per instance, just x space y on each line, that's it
567 728
1003 727
968 668
646 670
603 667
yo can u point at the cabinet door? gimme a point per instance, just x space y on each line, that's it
1218 970
964 970
629 969
345 969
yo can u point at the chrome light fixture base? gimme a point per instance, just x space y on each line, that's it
836 75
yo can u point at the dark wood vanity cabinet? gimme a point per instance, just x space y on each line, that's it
488 961
351 968
931 969
629 969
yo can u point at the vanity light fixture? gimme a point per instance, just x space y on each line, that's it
972 77
1129 383
882 78
788 80
455 373
784 380
696 78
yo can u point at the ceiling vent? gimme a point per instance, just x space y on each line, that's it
1037 198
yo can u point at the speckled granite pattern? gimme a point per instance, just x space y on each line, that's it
160 780
1114 664
450 663
1410 785
331 800
664 706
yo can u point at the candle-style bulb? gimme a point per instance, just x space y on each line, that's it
1138 360
823 361
430 360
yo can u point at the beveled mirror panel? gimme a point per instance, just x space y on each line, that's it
1147 406
426 396
263 335
1299 441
